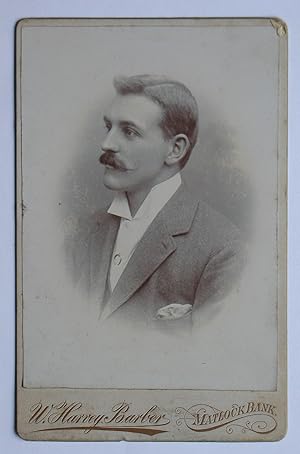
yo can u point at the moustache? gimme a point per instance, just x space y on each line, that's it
107 158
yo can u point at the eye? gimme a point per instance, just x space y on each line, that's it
129 132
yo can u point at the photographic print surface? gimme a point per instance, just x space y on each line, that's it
151 159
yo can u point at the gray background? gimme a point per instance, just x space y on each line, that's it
66 84
288 10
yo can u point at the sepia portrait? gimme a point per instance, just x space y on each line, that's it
151 199
157 254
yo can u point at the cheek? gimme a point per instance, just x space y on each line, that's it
154 156
150 164
147 158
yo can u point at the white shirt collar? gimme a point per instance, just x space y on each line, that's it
155 200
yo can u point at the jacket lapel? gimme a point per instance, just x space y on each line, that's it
141 265
155 247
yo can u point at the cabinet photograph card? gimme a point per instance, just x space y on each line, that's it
151 229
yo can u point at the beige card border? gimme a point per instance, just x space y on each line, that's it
157 415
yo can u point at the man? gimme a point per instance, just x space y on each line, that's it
158 254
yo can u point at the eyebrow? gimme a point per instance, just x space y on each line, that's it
123 123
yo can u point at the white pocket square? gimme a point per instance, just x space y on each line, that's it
173 311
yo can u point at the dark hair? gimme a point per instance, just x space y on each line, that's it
179 107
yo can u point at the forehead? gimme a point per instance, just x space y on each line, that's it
136 109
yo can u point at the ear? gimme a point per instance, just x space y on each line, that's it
179 146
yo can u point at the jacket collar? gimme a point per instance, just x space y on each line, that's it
178 214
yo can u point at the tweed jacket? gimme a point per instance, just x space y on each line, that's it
190 255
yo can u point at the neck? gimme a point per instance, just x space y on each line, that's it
136 198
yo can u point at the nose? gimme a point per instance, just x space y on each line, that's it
110 143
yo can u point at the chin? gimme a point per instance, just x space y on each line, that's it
112 186
113 183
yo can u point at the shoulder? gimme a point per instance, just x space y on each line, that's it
206 228
81 239
84 228
214 230
214 221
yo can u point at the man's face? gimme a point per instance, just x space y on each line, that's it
134 149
